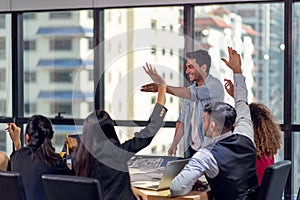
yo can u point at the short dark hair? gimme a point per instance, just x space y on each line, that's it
223 114
202 57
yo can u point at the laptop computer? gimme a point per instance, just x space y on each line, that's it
171 170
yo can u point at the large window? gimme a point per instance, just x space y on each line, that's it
58 63
217 27
296 65
126 51
57 71
56 75
3 49
296 94
5 80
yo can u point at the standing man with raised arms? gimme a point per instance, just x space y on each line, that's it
205 89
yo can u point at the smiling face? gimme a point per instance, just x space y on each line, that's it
195 72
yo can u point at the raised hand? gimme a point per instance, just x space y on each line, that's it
234 62
151 71
229 87
14 133
172 150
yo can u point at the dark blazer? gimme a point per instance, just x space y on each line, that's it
110 159
31 166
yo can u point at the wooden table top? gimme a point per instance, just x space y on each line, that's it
145 194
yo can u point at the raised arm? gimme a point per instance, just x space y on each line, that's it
244 124
182 92
144 137
14 133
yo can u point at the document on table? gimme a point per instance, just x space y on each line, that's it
146 174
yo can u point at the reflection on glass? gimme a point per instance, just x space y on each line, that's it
159 145
296 164
252 29
5 65
296 64
5 80
58 63
133 37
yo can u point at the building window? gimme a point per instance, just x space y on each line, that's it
171 76
29 77
91 74
91 106
91 43
30 45
171 99
57 107
60 15
153 23
2 48
3 107
90 14
29 16
171 52
163 51
2 20
3 80
61 76
61 44
30 108
154 149
2 75
153 100
153 49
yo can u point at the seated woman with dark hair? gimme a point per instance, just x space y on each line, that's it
37 158
100 154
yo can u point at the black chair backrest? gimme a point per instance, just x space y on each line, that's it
298 196
273 181
11 186
62 187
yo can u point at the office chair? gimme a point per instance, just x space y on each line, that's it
273 181
11 186
62 187
298 196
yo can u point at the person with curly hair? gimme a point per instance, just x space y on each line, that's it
267 133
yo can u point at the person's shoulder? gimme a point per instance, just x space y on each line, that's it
211 78
24 151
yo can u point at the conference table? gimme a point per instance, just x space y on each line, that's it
147 168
